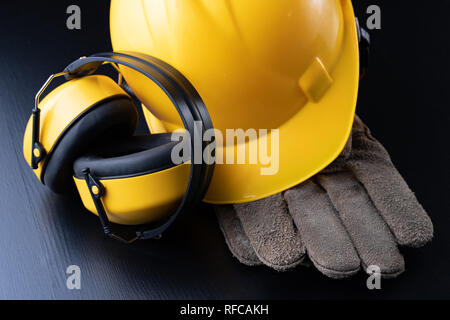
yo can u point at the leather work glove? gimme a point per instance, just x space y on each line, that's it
352 215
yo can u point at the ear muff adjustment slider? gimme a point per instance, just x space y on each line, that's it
97 190
37 150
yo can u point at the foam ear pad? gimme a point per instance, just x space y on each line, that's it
128 157
102 123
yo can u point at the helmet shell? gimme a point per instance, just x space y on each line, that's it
290 65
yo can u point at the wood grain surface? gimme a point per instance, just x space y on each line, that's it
404 100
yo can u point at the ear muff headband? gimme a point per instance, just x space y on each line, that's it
189 106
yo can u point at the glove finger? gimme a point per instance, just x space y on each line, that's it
328 245
271 232
370 235
372 166
235 236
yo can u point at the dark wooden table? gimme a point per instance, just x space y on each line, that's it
405 100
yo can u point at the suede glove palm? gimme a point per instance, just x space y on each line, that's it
349 216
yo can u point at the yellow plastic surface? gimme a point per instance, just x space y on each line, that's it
140 199
64 104
153 123
291 65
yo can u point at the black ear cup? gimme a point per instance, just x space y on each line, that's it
127 157
104 122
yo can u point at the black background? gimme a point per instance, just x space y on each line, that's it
404 100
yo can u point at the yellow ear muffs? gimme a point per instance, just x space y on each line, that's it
82 132
142 183
73 116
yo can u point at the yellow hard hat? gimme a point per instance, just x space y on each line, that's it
291 65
